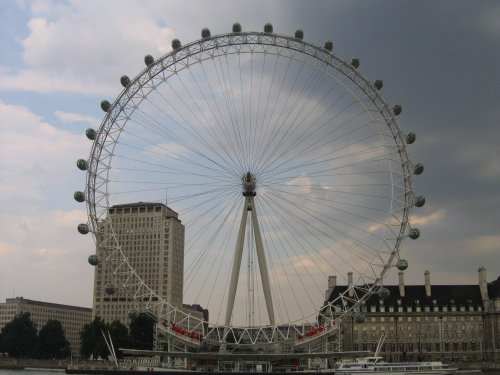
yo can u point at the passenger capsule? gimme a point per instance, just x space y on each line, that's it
110 288
105 106
397 109
410 138
125 81
236 27
81 164
384 293
93 260
149 60
329 45
176 44
83 228
205 33
355 62
378 84
419 168
414 233
419 201
299 34
90 133
268 28
79 196
402 264
133 314
359 318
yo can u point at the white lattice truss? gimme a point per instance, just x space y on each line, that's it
325 322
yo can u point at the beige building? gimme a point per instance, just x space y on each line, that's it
152 238
72 318
452 323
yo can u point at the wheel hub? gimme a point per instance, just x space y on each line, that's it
249 182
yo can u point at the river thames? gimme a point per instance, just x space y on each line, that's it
61 371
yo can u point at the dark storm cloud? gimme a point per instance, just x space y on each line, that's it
440 60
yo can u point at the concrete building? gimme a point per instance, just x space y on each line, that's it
152 238
451 323
72 318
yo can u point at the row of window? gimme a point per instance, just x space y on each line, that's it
422 347
420 328
410 309
433 318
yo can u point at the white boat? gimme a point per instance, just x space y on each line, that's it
378 366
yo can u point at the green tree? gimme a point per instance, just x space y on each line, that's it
119 334
141 332
52 342
91 339
19 337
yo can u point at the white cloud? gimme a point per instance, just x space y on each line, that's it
33 80
84 47
76 117
304 182
39 216
485 244
417 220
36 158
42 249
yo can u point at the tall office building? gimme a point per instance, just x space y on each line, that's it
152 238
72 318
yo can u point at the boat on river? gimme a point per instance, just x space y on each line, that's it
377 365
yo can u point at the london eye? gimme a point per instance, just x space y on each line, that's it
285 165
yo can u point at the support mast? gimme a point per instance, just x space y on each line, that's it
249 184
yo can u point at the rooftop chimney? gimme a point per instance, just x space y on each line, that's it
483 283
402 284
332 283
427 276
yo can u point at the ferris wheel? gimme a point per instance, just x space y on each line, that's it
285 166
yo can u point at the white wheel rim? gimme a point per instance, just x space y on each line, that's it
301 182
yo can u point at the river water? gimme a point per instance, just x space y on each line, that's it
61 372
33 372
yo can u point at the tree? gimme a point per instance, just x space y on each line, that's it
141 332
52 342
119 334
19 336
92 340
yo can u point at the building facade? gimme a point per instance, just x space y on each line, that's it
152 238
72 318
452 323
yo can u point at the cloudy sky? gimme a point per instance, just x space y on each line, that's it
59 59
